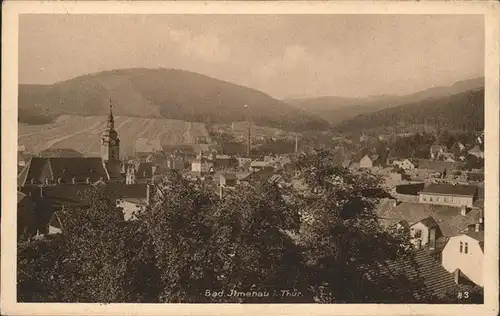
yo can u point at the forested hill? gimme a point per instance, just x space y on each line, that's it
459 111
338 109
160 93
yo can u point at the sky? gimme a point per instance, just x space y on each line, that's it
283 55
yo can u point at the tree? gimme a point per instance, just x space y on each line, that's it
322 239
176 222
253 243
343 238
95 259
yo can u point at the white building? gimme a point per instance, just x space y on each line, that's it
465 253
201 165
404 164
449 194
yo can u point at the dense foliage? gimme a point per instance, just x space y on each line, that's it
320 241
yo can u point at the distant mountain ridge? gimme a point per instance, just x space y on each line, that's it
160 93
338 109
461 111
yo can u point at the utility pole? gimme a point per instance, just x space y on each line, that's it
296 144
249 140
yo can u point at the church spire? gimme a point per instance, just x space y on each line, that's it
111 119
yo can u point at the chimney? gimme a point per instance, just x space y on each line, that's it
148 194
456 276
463 210
221 192
59 180
87 180
394 202
73 180
432 238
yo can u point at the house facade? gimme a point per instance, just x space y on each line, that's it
465 253
436 151
449 194
366 162
201 166
424 233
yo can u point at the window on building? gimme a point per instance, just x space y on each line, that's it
418 233
461 247
424 198
466 249
430 198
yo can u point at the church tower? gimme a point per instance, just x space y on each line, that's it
110 143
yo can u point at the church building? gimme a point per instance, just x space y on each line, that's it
77 170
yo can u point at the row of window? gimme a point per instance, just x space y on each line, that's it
438 199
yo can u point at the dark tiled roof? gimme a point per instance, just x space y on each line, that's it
64 168
113 170
448 218
429 222
437 166
435 278
450 189
260 176
475 149
137 190
479 236
229 176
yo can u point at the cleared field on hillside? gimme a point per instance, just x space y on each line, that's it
83 133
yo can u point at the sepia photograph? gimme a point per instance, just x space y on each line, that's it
251 158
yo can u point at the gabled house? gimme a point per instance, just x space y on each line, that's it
436 151
432 224
464 255
425 232
142 172
202 165
405 164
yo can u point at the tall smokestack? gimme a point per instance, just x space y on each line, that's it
296 144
